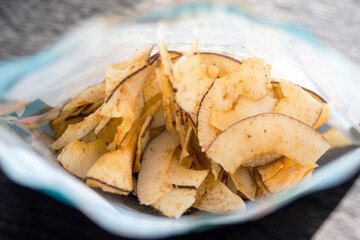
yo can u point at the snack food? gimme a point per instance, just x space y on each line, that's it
193 129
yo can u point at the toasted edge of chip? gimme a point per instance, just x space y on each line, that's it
95 183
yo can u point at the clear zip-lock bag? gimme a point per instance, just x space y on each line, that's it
78 60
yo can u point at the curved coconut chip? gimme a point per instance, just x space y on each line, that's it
153 179
268 132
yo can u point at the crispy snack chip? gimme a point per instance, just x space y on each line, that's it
223 63
244 182
244 108
262 159
77 130
193 130
268 132
188 81
213 196
298 104
118 72
143 140
182 177
78 156
176 202
153 181
112 172
290 174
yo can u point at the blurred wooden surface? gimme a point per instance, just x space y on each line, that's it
29 26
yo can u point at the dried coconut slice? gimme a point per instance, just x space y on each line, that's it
298 104
230 184
123 99
159 119
152 86
117 73
250 81
216 170
168 98
289 175
113 172
268 132
77 130
176 202
262 191
180 124
104 187
104 121
60 127
127 123
153 180
324 116
189 82
143 140
244 182
91 108
183 177
206 132
244 108
164 73
213 196
185 151
262 159
78 156
224 64
269 170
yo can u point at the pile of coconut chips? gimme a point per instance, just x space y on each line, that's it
192 130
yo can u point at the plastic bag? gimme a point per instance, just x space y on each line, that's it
50 78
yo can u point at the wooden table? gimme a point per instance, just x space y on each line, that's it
28 26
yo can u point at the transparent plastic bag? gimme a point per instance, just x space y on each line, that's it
50 78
